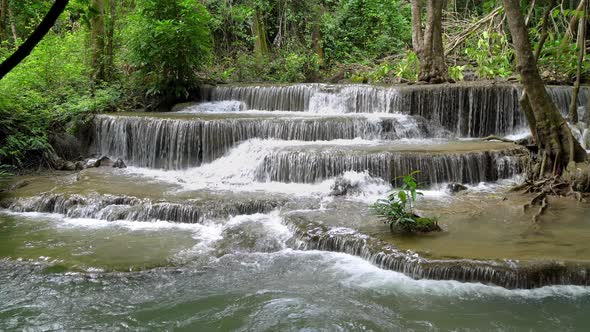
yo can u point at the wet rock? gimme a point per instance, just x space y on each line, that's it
119 164
58 164
341 187
585 139
90 163
66 146
578 174
80 165
454 188
19 184
105 161
69 166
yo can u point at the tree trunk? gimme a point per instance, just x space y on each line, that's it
555 140
572 26
429 45
3 20
25 49
417 36
110 38
259 31
97 36
12 26
316 33
573 111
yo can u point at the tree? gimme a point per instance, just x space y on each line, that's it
428 44
169 40
97 36
581 44
25 49
260 37
551 132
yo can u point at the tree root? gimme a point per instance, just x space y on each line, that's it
549 186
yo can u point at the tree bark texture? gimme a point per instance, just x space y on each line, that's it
555 140
259 31
428 44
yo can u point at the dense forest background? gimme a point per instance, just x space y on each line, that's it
109 55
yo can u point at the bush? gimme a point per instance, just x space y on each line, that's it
50 91
361 29
168 41
398 209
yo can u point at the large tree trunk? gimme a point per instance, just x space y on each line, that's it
555 141
261 39
417 36
97 36
581 43
428 45
25 49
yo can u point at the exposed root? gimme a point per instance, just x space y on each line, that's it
541 211
549 186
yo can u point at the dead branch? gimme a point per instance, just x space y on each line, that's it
461 37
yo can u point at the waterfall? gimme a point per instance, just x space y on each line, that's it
470 167
467 110
111 208
177 144
506 274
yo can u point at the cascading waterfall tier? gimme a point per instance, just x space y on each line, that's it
181 143
111 207
316 164
507 274
474 110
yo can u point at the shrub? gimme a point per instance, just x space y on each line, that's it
168 41
361 29
398 209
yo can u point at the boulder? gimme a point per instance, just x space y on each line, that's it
80 165
454 188
90 163
105 161
341 187
578 174
69 166
119 164
58 164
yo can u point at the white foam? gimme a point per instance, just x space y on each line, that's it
228 106
519 134
354 272
236 171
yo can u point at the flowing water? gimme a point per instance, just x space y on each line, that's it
250 211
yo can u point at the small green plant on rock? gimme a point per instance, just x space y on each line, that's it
398 209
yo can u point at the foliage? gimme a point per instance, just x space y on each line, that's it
361 29
168 41
491 54
408 67
456 72
398 209
49 91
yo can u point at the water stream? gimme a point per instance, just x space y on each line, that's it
227 218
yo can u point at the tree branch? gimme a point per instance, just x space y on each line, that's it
25 49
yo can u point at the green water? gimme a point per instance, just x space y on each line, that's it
61 274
